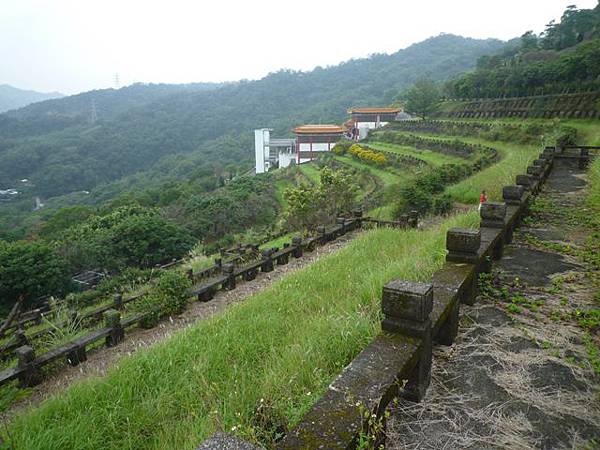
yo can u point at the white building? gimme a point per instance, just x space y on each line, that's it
309 142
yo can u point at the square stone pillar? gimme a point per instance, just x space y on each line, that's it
297 244
462 245
229 272
406 307
513 195
493 215
525 181
267 263
30 375
112 320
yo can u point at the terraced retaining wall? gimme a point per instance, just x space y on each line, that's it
575 106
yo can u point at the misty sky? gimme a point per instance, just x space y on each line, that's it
72 46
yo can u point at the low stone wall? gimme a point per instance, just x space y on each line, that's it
416 316
574 106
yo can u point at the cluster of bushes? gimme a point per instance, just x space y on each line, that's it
311 205
423 194
368 154
361 152
168 297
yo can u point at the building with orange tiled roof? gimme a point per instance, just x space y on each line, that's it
370 118
311 140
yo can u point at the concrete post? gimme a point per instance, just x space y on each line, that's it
463 245
525 181
267 264
118 301
30 375
413 219
297 244
513 195
229 272
112 320
493 214
406 307
358 215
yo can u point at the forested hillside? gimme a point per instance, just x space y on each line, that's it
54 145
565 57
13 98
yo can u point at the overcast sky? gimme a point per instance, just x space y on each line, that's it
77 45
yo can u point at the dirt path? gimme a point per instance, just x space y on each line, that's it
520 374
102 359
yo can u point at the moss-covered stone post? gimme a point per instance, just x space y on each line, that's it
413 219
406 307
357 214
30 375
463 247
524 181
297 244
118 301
493 215
112 320
229 272
267 263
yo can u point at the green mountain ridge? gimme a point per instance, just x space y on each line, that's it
13 98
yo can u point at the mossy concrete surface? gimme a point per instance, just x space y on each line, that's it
521 373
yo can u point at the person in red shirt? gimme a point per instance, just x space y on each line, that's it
482 199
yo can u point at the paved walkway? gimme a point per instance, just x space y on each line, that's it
519 375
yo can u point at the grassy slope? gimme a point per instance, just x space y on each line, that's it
311 171
387 175
429 156
283 345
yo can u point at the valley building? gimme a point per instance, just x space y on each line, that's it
365 119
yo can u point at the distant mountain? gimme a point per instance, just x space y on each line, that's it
146 135
13 98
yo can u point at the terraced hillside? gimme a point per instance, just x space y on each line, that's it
257 367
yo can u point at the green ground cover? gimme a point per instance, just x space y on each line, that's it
388 175
274 353
429 156
311 171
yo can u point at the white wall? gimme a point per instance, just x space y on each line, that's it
261 149
285 158
316 147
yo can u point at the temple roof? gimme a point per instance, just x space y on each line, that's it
319 129
374 110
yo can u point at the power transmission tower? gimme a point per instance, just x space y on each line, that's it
93 112
117 81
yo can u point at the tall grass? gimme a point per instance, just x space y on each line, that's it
514 161
275 353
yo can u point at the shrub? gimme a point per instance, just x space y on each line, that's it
169 296
369 155
566 136
442 204
174 287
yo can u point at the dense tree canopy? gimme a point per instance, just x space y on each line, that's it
565 57
30 270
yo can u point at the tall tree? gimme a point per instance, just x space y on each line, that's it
422 98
